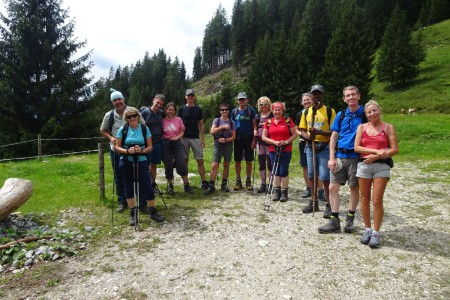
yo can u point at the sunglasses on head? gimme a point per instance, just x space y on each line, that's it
132 116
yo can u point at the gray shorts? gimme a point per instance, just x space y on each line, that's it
196 146
347 173
373 170
222 150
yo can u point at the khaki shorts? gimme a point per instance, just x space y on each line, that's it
347 173
373 170
196 146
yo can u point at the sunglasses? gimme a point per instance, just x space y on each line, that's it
264 104
224 109
132 116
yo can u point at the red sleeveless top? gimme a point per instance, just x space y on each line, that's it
379 141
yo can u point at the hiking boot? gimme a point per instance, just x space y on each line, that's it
306 193
122 207
170 190
248 184
349 226
309 208
145 210
276 194
155 216
238 185
132 221
375 240
327 212
187 188
365 237
333 225
211 189
262 188
284 195
321 195
224 187
205 185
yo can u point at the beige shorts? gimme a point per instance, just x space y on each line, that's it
196 146
347 173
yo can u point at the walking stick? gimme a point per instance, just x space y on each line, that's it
315 181
113 188
276 163
253 170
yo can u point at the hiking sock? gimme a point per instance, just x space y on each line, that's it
212 182
336 215
350 212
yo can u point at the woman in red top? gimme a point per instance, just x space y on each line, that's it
279 132
376 142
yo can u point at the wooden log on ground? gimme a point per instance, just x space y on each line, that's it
14 193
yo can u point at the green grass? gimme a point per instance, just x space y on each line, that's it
430 92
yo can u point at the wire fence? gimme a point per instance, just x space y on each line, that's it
39 147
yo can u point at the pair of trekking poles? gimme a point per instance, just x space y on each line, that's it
275 167
136 190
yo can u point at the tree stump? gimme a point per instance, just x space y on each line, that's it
14 193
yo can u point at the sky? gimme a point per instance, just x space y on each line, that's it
120 32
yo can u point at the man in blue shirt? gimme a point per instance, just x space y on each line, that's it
343 160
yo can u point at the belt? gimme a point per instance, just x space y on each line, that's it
345 151
378 161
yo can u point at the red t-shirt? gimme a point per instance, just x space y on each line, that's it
279 132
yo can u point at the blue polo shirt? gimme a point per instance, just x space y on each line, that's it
347 131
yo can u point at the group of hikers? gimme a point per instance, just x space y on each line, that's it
351 146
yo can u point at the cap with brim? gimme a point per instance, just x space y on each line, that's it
338 166
317 87
190 92
242 95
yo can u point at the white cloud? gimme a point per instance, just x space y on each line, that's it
120 32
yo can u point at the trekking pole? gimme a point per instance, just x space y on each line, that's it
272 177
315 181
113 188
253 170
157 188
136 191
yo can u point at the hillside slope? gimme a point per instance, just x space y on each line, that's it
429 93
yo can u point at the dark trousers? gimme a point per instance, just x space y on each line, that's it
173 151
145 186
118 182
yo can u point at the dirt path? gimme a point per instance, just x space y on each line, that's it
236 250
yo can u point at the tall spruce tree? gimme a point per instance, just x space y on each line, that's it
349 55
41 85
399 55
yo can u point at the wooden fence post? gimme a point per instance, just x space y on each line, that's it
39 145
101 170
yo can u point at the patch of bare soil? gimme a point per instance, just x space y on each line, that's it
237 250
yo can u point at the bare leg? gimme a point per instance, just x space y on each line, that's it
237 168
248 168
201 169
379 186
365 185
354 197
334 196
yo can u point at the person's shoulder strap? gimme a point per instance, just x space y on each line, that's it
217 122
329 115
124 133
111 120
144 133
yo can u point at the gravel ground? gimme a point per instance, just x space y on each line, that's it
237 250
